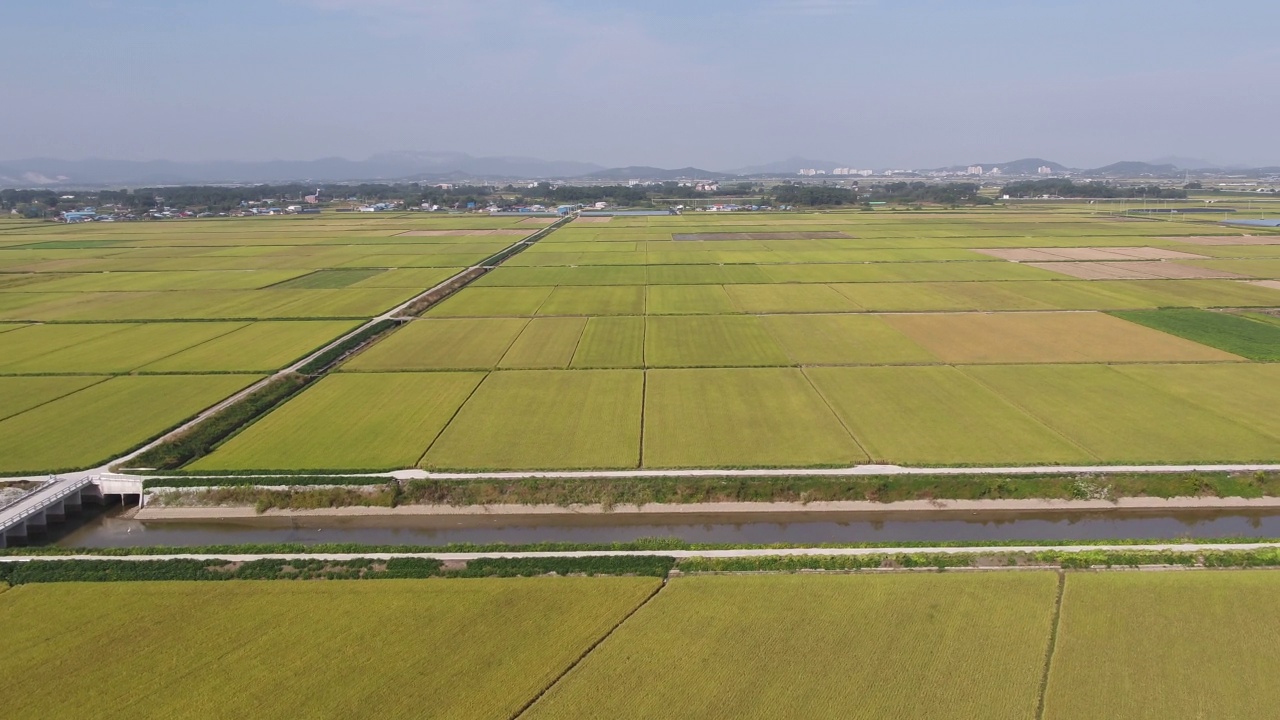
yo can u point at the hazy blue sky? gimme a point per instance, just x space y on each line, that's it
712 83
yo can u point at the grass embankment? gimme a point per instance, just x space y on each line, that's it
202 438
324 360
612 493
656 564
108 570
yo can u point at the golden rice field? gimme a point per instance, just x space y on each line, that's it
1127 645
849 646
941 338
279 649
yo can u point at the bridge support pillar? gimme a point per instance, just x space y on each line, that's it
38 522
17 532
91 494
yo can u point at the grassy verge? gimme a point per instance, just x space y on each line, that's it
655 545
435 297
324 360
612 493
45 571
941 561
108 570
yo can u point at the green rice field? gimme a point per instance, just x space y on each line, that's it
706 340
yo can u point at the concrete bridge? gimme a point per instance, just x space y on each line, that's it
54 499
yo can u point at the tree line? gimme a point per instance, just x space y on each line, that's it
1059 187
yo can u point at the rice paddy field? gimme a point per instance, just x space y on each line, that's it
998 644
112 333
272 649
999 336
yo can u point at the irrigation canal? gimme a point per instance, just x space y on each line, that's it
112 527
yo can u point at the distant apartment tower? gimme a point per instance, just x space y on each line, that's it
1044 170
974 170
809 172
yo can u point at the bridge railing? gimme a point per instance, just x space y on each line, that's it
14 513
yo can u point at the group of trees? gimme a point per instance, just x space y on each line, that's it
1059 187
918 191
900 192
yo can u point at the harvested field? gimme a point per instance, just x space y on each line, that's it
548 419
1087 253
1060 337
741 417
350 421
1133 270
1095 270
462 648
702 647
1166 645
1250 267
1175 271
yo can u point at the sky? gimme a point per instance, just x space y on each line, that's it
716 84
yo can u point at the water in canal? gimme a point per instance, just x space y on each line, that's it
112 527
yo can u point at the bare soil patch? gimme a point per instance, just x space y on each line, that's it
812 235
1095 270
1088 253
1177 271
1150 253
1273 284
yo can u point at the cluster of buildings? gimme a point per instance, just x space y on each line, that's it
732 207
810 172
852 171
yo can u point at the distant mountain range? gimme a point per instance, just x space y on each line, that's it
461 167
45 172
643 172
